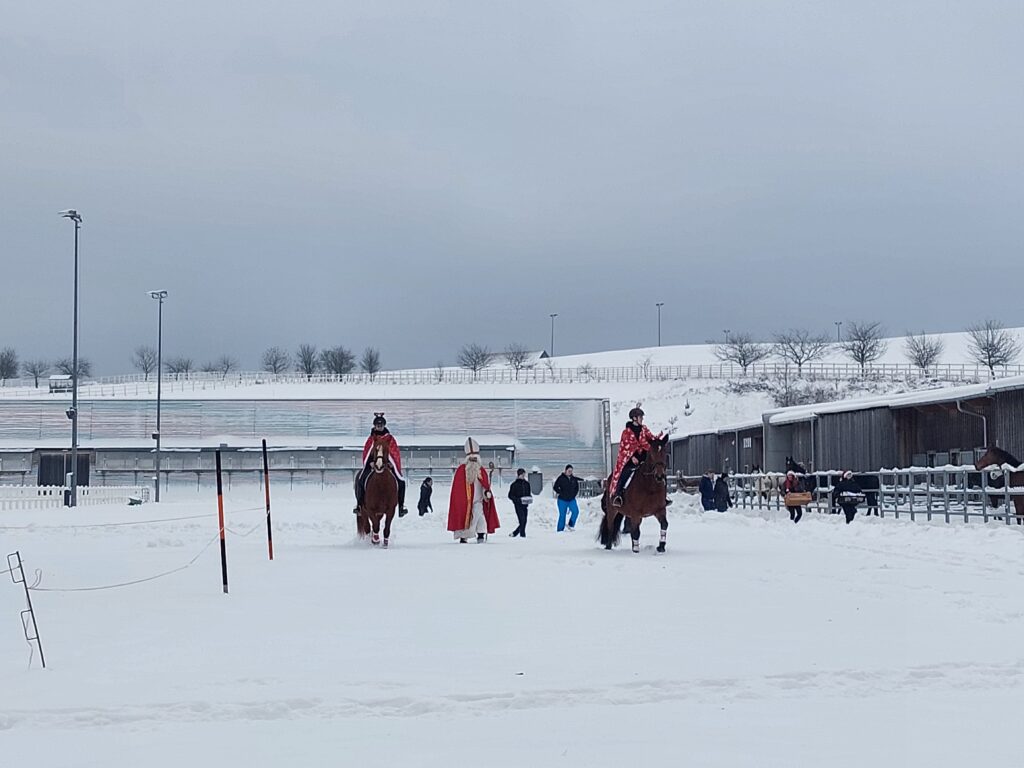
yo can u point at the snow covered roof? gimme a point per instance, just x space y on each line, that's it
906 400
299 443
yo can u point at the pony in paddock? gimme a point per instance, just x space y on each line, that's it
997 458
381 499
645 497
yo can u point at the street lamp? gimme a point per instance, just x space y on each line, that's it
553 316
727 332
159 296
72 412
659 305
838 324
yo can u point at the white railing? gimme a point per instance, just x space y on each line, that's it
52 496
137 385
950 494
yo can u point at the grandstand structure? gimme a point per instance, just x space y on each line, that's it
309 439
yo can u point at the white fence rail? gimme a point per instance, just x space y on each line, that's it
949 493
52 496
139 385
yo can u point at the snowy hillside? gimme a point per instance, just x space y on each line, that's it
752 642
955 351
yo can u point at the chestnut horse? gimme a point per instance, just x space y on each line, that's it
997 458
381 497
645 497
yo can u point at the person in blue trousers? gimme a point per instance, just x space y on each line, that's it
567 488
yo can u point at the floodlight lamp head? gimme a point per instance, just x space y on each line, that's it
72 214
158 294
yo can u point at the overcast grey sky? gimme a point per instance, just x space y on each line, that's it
416 175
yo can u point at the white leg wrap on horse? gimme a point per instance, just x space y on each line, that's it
664 535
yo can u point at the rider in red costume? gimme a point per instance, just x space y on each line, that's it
394 458
633 446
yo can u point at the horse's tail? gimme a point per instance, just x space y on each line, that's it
610 523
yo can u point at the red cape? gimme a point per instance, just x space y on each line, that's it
393 451
459 505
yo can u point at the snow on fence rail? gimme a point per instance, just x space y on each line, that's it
139 385
949 493
52 496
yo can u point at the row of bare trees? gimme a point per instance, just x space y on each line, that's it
989 344
11 367
308 360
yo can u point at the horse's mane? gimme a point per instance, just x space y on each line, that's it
1003 457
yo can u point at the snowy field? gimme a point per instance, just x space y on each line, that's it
752 642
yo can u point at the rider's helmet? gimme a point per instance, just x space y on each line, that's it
636 412
379 422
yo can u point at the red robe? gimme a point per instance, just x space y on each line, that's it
393 452
460 504
629 445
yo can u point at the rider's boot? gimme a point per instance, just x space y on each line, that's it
402 511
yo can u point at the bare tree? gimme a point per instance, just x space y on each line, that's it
644 364
740 349
276 360
800 347
439 372
370 362
67 366
474 357
180 365
208 367
587 372
144 360
516 356
225 364
992 345
864 343
307 360
923 351
337 361
35 369
9 366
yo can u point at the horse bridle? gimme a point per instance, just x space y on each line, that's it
379 464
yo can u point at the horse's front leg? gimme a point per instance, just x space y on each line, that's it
387 527
634 533
375 539
663 521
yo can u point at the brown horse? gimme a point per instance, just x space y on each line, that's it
996 458
381 497
645 498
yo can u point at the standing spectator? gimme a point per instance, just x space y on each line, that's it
521 495
707 491
722 499
567 487
471 508
426 488
847 494
793 484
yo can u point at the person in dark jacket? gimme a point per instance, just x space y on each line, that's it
567 487
707 491
847 494
722 498
793 484
426 488
521 496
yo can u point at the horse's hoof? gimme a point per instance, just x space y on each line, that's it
661 549
385 545
608 547
375 539
636 549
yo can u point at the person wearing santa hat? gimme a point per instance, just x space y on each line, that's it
471 508
380 428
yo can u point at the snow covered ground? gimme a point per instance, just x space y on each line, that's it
752 642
